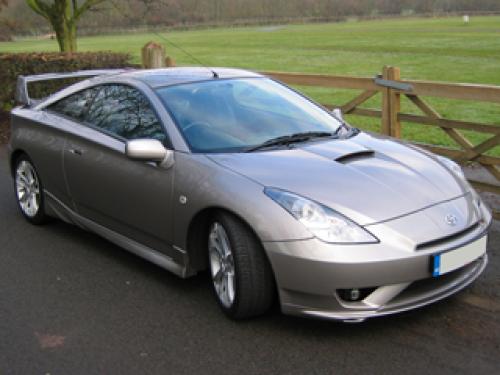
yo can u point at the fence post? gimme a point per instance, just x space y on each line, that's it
386 105
153 56
395 99
169 62
391 104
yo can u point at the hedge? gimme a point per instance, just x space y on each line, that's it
14 65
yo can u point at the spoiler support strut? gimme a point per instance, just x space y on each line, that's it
22 94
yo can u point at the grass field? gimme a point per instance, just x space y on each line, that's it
433 49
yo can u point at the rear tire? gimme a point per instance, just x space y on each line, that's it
242 279
29 191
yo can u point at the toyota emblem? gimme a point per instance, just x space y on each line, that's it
451 220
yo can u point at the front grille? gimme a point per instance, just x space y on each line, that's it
449 238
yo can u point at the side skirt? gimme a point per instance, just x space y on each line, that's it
68 215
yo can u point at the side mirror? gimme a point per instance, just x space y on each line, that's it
149 150
337 113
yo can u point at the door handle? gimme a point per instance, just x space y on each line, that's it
76 151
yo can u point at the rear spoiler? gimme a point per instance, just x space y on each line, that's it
22 94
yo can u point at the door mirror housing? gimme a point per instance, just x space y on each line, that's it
150 150
337 113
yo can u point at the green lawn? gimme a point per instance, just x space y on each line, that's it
433 49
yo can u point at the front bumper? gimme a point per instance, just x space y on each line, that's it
309 274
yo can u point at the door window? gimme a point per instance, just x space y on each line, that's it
125 112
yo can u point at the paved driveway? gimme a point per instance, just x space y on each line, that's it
72 303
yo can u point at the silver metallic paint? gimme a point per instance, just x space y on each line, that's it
146 150
152 255
395 181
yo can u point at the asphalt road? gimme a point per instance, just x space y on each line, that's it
72 303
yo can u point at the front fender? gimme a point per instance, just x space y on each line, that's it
201 183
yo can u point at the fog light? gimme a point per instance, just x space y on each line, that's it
354 294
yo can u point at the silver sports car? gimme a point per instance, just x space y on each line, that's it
229 171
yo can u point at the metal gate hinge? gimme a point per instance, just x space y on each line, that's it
400 86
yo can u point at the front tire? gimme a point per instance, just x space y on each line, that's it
242 278
29 191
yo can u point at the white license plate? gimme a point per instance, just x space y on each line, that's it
454 259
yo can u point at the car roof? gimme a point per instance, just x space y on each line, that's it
174 76
154 78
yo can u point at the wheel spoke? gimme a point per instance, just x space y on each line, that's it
218 288
218 276
34 202
22 168
21 182
224 241
222 264
225 284
23 178
230 286
214 244
215 263
31 176
23 196
229 260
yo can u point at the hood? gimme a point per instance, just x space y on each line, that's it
366 178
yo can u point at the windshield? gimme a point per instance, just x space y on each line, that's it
236 114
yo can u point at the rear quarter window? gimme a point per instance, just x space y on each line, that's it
74 106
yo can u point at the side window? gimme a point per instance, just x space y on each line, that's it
74 106
126 112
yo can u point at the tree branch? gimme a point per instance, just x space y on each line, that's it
87 5
41 8
3 3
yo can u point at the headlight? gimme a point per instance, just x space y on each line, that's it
323 222
452 166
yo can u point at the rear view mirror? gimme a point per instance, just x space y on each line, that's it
149 150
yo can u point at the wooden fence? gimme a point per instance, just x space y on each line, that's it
391 87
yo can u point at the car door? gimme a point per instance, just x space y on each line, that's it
47 134
131 198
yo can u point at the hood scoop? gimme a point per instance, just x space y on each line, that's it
353 156
342 151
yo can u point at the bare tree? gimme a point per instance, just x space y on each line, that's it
63 16
5 25
138 13
3 4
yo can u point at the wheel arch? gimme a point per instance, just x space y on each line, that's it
198 232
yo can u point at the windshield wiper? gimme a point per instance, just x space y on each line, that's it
290 139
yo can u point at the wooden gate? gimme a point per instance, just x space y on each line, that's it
391 87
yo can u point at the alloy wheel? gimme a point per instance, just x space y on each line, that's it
27 189
222 265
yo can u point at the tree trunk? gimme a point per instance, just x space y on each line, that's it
66 36
64 26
